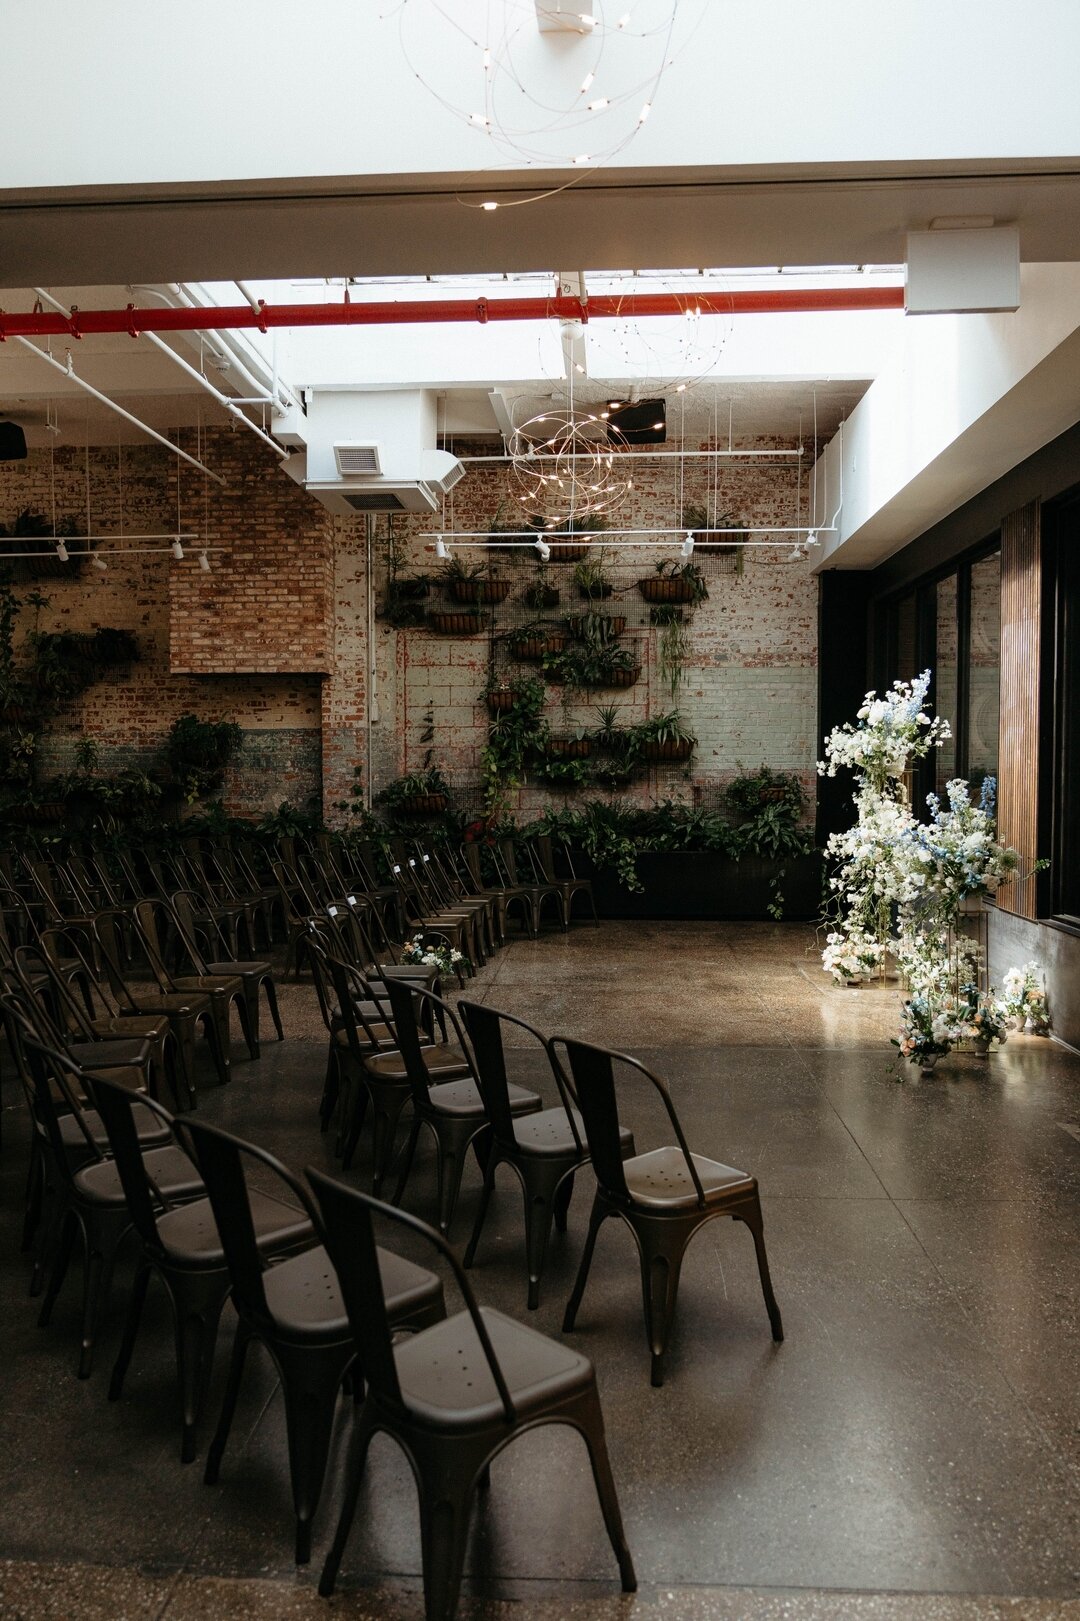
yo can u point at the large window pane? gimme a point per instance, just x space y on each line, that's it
945 676
984 668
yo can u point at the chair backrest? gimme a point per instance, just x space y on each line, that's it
348 1233
151 920
220 1157
594 1082
51 1083
116 1106
406 1002
351 991
485 1027
193 917
40 969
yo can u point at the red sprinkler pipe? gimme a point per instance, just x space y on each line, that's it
234 317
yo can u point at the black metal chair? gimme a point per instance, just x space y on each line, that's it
152 922
193 918
664 1196
452 1397
89 1199
454 1112
543 1149
183 1248
294 1308
542 853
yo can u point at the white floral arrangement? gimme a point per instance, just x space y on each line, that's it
1023 998
890 731
447 959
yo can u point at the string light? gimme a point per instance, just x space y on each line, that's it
527 102
579 476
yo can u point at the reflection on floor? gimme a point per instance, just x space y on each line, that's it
910 1451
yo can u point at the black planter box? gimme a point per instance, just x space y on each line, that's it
705 884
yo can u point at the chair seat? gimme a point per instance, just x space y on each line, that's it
462 1099
190 1236
244 969
150 1129
227 983
548 1135
168 1001
446 1382
147 1026
449 1062
170 1168
109 1053
377 1032
661 1181
305 1299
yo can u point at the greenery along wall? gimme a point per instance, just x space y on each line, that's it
656 682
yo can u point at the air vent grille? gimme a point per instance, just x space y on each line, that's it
356 459
373 501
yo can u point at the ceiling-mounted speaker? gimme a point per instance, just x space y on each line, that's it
638 422
12 442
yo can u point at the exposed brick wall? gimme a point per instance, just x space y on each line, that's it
287 601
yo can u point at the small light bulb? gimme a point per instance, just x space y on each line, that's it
681 389
479 120
61 551
582 158
658 424
644 113
487 59
586 20
579 367
599 104
99 563
623 20
177 550
489 208
587 81
204 562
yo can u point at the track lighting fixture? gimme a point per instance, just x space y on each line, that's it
688 545
543 548
440 548
62 551
204 562
795 554
811 538
177 550
99 563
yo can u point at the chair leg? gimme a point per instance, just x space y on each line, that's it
184 1028
753 1219
444 1529
102 1236
247 1008
35 1187
218 1040
561 1203
216 1451
310 1383
452 1139
61 1262
541 1187
354 1476
596 1219
662 1250
131 1330
407 1156
197 1305
272 1003
387 1104
485 1199
591 1423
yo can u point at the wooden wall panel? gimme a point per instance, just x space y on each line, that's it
1018 737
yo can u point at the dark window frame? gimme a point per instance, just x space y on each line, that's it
1059 765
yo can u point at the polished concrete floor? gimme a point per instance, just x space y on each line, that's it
912 1450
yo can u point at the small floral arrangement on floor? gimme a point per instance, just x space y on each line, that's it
979 1016
447 959
926 1033
851 956
1023 998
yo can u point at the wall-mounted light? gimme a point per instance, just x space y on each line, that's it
99 563
543 548
204 562
811 538
688 545
61 551
440 547
177 551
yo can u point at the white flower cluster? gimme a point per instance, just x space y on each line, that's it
890 731
447 959
1023 998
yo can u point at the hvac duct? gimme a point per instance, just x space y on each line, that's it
371 451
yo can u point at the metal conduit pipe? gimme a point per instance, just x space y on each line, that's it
241 317
193 371
72 376
273 396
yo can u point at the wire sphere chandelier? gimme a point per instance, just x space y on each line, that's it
565 466
576 95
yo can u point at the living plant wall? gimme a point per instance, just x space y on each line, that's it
628 671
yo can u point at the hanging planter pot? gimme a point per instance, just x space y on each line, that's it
570 748
502 699
446 623
661 588
479 591
672 750
622 678
539 597
605 627
534 648
424 805
567 551
404 590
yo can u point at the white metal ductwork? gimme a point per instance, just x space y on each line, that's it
373 452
